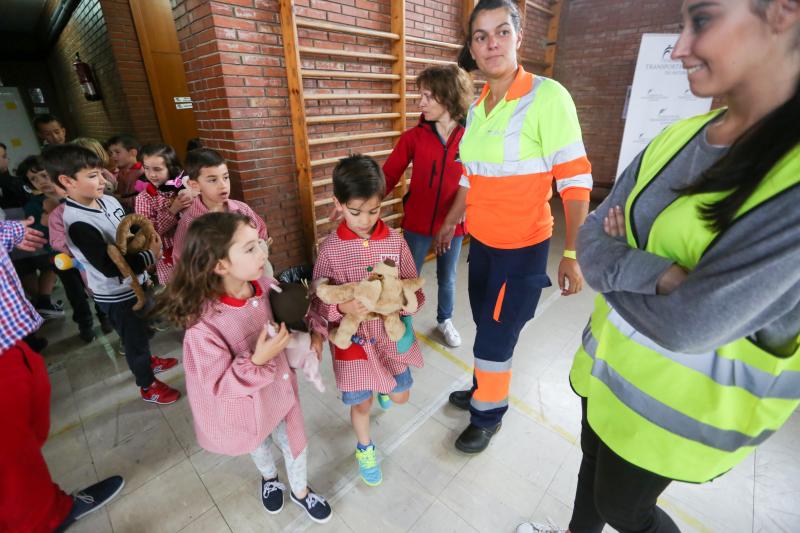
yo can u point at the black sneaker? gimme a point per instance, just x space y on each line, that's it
272 495
49 310
315 506
92 498
87 335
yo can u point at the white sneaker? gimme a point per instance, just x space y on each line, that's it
450 333
535 527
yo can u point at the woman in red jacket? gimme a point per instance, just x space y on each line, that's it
432 146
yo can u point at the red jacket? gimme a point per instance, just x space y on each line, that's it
434 177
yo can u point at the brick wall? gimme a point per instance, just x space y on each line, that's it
596 58
87 34
232 50
235 73
126 105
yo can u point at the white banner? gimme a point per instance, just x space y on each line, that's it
660 96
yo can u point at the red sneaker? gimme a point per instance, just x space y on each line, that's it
159 364
160 393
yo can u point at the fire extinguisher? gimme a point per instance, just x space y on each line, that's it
86 79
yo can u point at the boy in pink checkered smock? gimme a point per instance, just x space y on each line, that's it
373 362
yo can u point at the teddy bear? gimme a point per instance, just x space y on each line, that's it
384 295
290 302
135 234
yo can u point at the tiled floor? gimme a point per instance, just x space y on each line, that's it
99 427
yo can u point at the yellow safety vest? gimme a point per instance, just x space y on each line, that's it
512 156
684 416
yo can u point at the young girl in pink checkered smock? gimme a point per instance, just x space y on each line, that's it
242 392
162 197
373 362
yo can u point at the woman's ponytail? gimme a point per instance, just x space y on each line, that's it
749 159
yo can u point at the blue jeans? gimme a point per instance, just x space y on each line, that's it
404 381
445 269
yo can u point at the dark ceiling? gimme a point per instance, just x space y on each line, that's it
28 28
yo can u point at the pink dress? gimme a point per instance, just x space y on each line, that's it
235 403
344 258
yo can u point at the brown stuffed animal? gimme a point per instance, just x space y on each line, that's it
129 242
383 293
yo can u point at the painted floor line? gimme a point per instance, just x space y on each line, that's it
526 409
302 523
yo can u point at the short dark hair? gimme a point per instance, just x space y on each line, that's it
3 146
358 176
465 59
129 142
68 160
197 160
45 118
31 163
166 152
193 144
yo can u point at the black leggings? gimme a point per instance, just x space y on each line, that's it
615 492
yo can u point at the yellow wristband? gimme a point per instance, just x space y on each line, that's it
570 254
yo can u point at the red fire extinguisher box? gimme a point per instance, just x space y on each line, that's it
86 79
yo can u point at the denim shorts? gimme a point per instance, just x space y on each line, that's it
404 382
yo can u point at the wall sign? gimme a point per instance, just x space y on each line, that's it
660 96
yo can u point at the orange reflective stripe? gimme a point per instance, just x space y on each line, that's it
492 386
498 306
572 168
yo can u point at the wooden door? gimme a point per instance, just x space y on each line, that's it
158 40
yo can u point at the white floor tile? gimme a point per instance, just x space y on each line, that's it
169 502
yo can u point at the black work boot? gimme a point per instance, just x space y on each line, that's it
461 398
475 439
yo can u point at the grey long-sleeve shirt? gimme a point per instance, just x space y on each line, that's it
747 284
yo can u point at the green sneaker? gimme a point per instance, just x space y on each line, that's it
368 466
384 401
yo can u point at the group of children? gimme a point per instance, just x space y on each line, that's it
242 391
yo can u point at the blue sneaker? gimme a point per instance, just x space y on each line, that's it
91 499
384 401
314 505
272 495
368 466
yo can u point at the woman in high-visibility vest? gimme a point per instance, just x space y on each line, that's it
691 358
522 134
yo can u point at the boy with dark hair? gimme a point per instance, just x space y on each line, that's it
373 363
208 176
124 150
91 221
49 129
